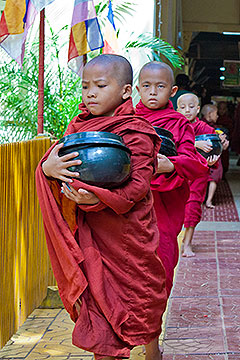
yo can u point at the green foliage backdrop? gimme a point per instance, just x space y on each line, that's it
62 92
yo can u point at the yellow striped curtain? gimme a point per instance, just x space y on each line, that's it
25 270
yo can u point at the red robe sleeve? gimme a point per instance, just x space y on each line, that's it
188 163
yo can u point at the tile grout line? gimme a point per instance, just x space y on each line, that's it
169 303
29 353
220 300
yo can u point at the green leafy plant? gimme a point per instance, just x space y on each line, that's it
62 88
19 94
158 48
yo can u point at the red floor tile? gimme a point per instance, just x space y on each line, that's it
193 333
195 288
225 208
232 235
196 357
233 338
194 312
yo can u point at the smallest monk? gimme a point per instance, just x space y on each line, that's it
188 105
210 116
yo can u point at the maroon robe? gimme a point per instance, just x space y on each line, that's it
171 191
226 122
216 172
110 261
235 145
198 187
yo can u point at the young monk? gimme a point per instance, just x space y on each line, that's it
170 188
210 116
102 243
188 105
224 120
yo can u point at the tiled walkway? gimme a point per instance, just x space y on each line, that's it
203 319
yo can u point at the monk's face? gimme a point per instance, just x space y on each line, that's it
213 116
222 108
155 87
188 106
101 91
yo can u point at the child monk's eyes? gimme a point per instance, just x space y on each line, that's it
84 87
102 86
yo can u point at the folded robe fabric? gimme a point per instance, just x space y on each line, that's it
171 191
198 187
108 259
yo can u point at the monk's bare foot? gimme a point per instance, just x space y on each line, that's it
159 346
153 351
157 356
209 205
187 252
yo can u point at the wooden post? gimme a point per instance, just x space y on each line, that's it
41 73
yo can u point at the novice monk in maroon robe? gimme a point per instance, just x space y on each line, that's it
209 111
188 105
170 187
225 121
102 243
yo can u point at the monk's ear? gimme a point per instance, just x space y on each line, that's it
198 109
138 90
127 91
174 90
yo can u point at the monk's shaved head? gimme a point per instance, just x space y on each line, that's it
119 67
208 108
188 97
158 65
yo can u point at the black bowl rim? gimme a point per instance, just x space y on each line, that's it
169 133
168 141
91 134
95 144
164 150
207 136
92 138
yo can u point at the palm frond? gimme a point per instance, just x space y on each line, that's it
158 48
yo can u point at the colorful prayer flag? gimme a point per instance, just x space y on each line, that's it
16 19
110 37
85 34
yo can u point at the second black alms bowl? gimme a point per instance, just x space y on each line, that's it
215 142
167 146
105 158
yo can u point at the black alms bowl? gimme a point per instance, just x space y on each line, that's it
167 146
215 142
105 158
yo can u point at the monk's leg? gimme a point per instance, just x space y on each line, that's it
211 191
187 242
153 351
